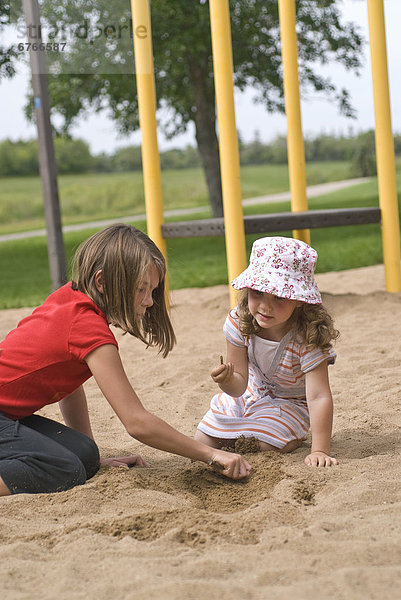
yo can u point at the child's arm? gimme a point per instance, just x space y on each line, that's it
320 404
106 366
232 377
74 409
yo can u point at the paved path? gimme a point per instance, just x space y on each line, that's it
311 191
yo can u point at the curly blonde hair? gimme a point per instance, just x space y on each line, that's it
311 322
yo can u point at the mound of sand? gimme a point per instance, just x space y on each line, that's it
180 531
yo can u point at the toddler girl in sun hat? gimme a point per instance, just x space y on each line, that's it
274 383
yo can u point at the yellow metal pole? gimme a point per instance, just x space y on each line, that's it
142 34
384 147
228 141
295 143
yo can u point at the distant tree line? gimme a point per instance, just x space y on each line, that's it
73 155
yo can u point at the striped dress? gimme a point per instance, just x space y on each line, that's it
273 408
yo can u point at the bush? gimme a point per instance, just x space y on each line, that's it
18 158
364 162
72 156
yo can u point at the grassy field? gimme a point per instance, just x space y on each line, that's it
196 262
109 195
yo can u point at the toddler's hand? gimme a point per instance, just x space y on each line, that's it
223 373
320 459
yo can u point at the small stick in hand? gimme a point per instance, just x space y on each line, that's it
221 360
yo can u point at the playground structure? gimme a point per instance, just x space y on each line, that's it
234 225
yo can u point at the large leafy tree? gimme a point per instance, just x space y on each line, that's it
99 76
8 53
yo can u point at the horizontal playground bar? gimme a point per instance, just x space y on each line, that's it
311 219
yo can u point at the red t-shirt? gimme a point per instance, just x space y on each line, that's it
42 359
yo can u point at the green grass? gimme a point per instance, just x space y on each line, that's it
110 195
24 269
200 262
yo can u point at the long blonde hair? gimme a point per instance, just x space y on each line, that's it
123 254
311 322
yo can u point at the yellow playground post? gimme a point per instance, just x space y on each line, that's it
142 35
384 147
228 141
295 142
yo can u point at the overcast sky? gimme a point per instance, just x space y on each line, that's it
318 115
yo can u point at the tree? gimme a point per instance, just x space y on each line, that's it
364 162
72 156
8 54
128 159
91 76
18 158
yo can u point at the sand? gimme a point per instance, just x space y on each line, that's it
180 531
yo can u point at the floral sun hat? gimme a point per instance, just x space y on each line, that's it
283 267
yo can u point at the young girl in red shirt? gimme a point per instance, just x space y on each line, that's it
119 279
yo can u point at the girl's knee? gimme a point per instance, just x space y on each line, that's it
75 474
207 439
292 445
62 475
89 456
289 447
264 447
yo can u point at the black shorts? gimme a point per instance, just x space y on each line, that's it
38 455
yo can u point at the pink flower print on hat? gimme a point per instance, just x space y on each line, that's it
276 263
288 290
283 267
